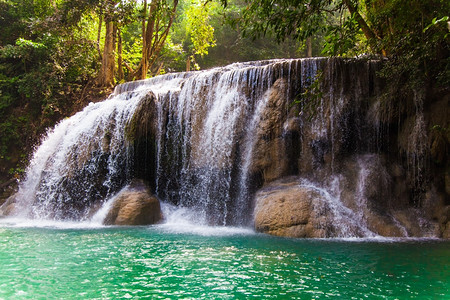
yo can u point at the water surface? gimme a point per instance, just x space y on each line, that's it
163 262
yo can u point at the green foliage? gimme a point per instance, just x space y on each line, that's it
414 35
298 19
198 27
39 70
435 21
174 57
132 43
14 19
345 39
192 35
231 46
419 48
72 11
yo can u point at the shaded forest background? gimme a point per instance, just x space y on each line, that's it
56 56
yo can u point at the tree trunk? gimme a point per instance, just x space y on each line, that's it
188 64
368 32
106 77
120 74
148 40
309 47
154 34
99 32
145 41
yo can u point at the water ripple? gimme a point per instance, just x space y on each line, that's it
156 263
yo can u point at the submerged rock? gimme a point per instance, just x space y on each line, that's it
134 205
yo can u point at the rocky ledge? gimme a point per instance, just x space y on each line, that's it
294 207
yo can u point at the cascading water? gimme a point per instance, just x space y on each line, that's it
205 124
204 149
84 160
206 141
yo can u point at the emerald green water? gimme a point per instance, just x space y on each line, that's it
159 263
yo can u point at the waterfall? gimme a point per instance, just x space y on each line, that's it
202 119
207 141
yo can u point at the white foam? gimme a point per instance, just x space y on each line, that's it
178 222
204 230
100 215
18 222
189 221
172 227
383 239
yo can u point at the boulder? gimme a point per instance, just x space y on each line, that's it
290 210
134 205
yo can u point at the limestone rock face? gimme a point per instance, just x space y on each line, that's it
269 157
134 205
290 210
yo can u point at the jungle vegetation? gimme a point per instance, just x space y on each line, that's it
58 55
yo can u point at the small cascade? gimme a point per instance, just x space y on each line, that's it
84 160
346 222
81 161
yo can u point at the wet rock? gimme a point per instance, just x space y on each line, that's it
140 132
446 231
287 209
384 225
270 156
7 209
439 135
9 206
415 224
144 121
360 201
447 183
444 221
376 190
134 205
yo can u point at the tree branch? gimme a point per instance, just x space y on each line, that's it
369 34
